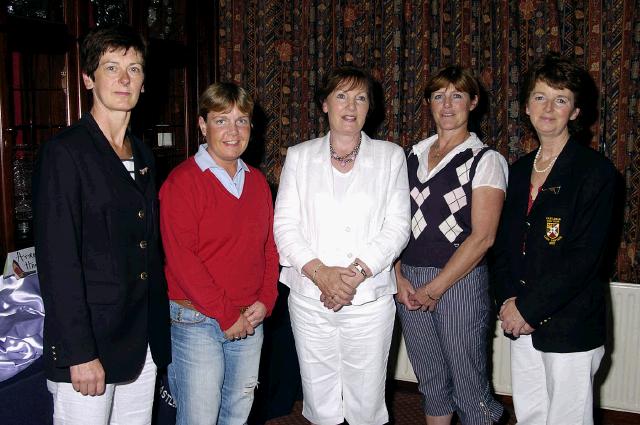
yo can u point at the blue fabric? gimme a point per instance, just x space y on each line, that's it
448 347
25 400
21 322
233 185
211 378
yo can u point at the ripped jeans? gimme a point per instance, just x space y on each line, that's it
211 378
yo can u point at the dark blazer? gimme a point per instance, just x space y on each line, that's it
97 250
552 259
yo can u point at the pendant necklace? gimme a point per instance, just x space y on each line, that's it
344 160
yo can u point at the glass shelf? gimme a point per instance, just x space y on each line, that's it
52 10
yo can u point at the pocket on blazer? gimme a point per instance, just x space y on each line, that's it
98 267
103 293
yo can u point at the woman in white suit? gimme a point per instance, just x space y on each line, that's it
342 216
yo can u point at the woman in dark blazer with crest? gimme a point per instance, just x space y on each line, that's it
550 250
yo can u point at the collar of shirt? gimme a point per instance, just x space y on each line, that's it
233 185
421 150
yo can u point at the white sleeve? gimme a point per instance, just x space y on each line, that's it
492 171
294 249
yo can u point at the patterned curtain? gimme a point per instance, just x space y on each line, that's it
279 50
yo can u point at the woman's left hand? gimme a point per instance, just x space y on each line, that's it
330 303
255 313
512 321
355 280
352 281
428 296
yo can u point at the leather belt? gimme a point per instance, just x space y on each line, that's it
188 304
185 303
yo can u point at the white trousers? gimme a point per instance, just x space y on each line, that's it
552 388
127 403
343 359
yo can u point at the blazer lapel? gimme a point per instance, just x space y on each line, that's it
322 160
561 169
142 167
362 168
110 160
519 185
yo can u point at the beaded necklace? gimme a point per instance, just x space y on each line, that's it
548 167
344 160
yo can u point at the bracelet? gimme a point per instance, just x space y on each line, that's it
313 276
358 267
430 297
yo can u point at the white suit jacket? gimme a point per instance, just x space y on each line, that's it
372 222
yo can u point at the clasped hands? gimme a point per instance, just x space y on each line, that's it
425 298
337 285
512 321
248 320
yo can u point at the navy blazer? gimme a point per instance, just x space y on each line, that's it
552 258
98 256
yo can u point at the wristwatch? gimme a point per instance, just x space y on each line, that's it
358 267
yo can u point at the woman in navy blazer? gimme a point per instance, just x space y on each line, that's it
549 270
97 248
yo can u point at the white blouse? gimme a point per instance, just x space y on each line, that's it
492 170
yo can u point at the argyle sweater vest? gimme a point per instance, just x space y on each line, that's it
440 210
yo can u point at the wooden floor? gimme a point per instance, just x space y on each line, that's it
405 409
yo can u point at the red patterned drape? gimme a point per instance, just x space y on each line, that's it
279 50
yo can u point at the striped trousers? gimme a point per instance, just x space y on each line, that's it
448 347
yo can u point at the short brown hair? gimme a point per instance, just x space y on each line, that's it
461 78
349 76
563 73
221 97
102 39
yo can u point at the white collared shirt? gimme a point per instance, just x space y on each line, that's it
492 170
233 185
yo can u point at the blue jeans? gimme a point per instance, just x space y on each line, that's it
212 379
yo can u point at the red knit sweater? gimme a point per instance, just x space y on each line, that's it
220 252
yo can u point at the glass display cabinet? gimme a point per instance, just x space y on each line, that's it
41 89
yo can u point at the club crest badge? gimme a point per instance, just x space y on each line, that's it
552 233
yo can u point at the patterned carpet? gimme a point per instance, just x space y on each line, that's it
405 409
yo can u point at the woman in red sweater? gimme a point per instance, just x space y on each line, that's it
216 219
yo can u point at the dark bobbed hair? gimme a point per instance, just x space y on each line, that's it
461 78
108 38
348 77
221 97
560 73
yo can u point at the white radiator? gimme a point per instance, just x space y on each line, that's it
619 374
